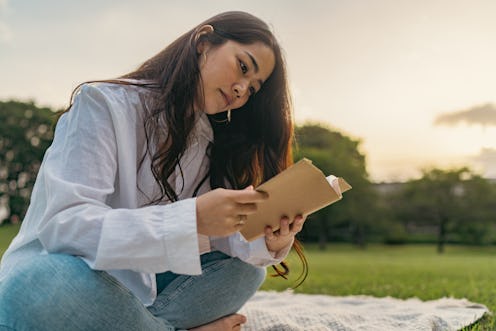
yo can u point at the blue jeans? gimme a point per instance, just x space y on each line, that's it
60 292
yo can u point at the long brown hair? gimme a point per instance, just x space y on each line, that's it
256 144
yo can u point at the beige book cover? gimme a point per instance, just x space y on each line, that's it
300 189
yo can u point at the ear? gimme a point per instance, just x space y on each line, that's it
201 45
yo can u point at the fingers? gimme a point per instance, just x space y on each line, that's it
285 228
246 208
269 234
245 201
298 224
249 195
277 240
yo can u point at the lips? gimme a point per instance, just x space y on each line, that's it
227 99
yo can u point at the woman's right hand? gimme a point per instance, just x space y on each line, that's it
219 212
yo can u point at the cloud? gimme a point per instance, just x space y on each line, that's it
479 115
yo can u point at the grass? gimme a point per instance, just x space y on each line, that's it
7 232
397 271
401 272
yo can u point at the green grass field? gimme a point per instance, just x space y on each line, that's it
401 272
7 232
397 271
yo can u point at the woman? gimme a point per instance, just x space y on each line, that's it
134 218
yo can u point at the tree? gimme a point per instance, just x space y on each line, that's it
335 153
477 218
25 134
450 201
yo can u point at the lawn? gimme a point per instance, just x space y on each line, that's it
402 272
397 271
7 232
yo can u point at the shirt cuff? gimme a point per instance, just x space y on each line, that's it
181 237
259 248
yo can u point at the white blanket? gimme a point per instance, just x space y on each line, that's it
285 311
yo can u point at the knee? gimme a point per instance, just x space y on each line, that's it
34 275
33 289
243 280
45 274
247 275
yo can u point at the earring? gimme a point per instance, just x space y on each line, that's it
225 120
204 57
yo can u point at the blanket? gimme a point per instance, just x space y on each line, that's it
286 311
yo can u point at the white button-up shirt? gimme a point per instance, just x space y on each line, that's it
90 197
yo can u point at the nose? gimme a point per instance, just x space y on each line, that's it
240 89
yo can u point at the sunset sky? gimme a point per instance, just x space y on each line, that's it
414 80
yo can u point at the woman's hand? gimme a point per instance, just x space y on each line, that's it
222 212
277 240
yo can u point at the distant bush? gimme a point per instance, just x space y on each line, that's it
26 131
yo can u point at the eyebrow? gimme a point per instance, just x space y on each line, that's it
255 65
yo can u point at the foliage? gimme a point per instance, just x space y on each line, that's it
455 204
25 134
335 153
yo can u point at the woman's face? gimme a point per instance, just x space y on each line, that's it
231 73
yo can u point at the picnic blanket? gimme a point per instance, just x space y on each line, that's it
286 311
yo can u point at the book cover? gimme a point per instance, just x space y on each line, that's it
300 189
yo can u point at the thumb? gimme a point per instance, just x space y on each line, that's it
249 188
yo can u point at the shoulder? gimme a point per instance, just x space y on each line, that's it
118 91
116 97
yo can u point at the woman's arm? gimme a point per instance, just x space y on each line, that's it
78 177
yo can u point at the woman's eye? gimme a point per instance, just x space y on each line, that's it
243 66
252 90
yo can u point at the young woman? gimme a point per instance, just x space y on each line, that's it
134 218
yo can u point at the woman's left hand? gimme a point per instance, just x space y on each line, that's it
277 240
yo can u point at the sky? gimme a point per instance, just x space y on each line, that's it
414 81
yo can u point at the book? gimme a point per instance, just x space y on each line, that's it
301 189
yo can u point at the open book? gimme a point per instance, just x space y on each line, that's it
299 190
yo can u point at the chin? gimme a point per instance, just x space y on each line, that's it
211 111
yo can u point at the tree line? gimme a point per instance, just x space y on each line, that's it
442 206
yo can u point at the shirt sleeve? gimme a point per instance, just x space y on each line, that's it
78 175
254 252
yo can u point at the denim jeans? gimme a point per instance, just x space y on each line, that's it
60 292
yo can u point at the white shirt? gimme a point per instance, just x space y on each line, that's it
90 197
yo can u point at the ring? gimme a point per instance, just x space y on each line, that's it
242 219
